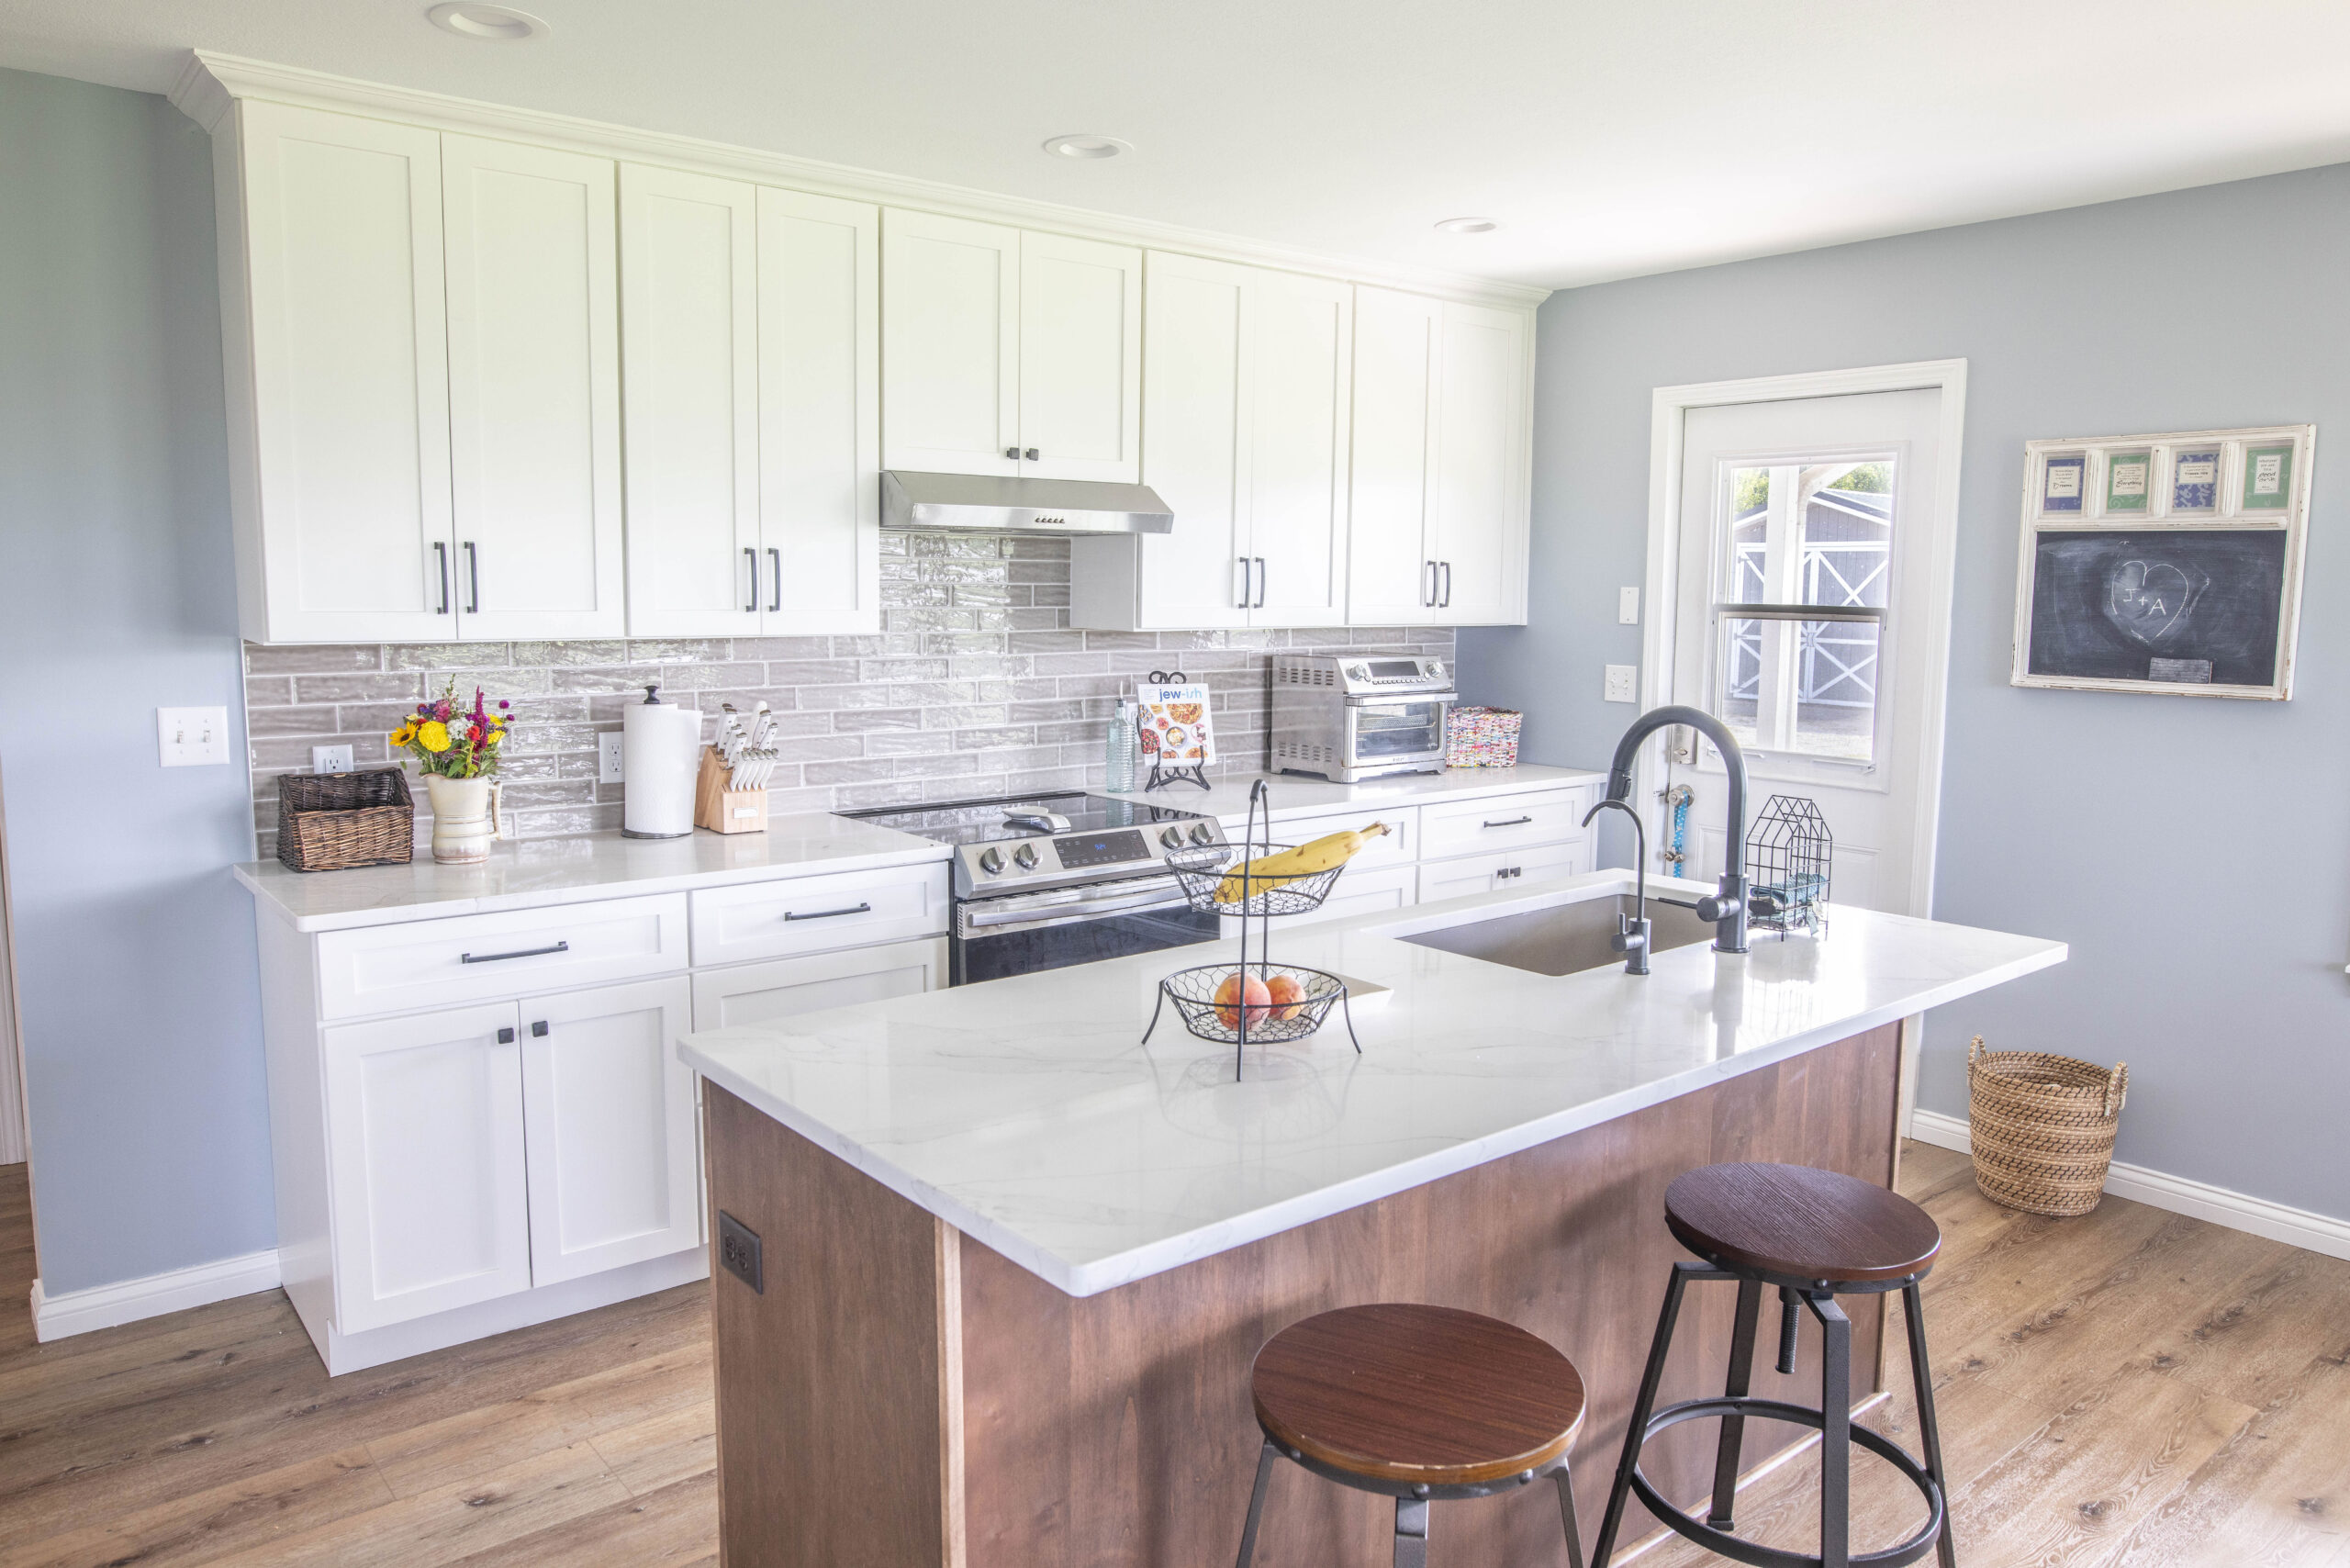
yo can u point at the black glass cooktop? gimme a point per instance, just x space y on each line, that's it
1018 816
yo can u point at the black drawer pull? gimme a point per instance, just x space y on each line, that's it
827 914
1514 822
501 957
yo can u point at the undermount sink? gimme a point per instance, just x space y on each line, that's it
1565 938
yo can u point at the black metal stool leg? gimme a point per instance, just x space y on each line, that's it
1741 1378
1256 1505
1411 1532
1928 1436
1634 1434
1835 1433
1567 1516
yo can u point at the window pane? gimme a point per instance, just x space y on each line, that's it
1836 695
1848 538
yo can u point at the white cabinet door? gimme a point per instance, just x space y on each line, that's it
1192 393
1080 359
348 495
950 345
1506 871
425 1150
755 993
1504 821
1482 475
1298 352
534 391
689 331
1392 576
614 1160
820 414
1358 891
810 914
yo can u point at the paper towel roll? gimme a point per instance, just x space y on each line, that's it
660 754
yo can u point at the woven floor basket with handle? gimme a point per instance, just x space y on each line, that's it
2043 1128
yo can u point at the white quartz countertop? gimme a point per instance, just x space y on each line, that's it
1027 1113
535 872
1294 794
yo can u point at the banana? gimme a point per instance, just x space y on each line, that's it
1280 869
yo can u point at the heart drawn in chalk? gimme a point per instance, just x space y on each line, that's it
2151 599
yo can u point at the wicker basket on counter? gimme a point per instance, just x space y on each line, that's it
331 821
2041 1128
1482 737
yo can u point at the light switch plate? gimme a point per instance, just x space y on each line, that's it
192 737
330 760
608 758
1628 607
1623 683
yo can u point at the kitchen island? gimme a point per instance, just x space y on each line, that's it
1014 1264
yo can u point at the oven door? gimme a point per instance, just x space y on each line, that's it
1020 933
1395 729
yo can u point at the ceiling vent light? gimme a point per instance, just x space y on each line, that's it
1469 225
1086 148
488 24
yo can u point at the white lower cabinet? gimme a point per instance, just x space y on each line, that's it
754 994
1503 871
426 1163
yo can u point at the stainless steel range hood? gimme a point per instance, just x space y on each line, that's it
979 503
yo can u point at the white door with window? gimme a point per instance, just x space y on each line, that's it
1807 570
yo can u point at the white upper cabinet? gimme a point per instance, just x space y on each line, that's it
1245 402
534 391
335 335
999 344
690 336
1440 460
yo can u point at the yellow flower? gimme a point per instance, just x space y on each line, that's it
434 734
494 736
404 735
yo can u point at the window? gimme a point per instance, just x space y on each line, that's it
1804 573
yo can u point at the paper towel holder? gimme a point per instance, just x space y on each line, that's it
661 809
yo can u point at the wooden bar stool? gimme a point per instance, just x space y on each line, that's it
1420 1403
1816 1235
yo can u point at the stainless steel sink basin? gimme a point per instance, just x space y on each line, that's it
1565 939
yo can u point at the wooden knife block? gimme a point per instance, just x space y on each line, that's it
722 810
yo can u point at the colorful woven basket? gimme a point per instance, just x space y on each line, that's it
1482 737
2043 1128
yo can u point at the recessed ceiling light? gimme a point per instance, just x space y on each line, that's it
491 24
1087 147
1469 225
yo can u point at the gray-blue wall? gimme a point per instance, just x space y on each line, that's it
2196 854
149 1116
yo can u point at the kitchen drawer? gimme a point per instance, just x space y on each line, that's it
475 957
1503 822
1507 869
784 988
1399 846
1358 891
817 915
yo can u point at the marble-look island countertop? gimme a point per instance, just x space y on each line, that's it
1027 1114
532 873
1296 794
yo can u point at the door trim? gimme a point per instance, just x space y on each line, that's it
1667 439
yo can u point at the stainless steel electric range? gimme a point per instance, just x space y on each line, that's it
1042 881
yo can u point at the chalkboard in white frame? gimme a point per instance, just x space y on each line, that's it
2165 563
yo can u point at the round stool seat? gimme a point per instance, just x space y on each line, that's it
1792 1223
1424 1395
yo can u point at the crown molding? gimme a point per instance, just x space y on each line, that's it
210 84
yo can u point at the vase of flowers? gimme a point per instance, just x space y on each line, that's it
458 751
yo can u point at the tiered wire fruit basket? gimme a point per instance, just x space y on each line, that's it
1212 999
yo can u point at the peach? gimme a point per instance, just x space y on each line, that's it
1287 993
1232 998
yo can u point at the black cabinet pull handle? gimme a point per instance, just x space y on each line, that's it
441 553
1446 602
500 957
1514 822
1244 583
775 570
506 1036
751 556
473 577
1260 584
1033 454
1427 587
827 914
539 1030
1013 452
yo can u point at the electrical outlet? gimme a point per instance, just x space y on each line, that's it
1623 683
608 758
1628 607
192 737
330 760
738 1251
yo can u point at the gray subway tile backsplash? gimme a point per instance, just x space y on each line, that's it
974 686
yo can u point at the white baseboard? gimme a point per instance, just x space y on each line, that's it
2157 1188
105 1306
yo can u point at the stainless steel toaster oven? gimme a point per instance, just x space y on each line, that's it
1348 717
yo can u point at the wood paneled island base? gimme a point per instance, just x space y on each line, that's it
902 1397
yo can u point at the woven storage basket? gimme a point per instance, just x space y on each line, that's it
2041 1128
1482 737
331 821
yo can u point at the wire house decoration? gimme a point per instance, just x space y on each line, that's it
1788 853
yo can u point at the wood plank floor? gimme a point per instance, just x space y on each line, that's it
2133 1389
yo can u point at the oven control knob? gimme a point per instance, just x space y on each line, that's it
1026 855
1202 832
991 860
1172 836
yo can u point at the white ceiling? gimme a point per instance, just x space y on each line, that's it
1610 136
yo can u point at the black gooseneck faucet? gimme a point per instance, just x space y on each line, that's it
1631 937
1728 908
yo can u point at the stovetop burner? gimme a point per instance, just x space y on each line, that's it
999 819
